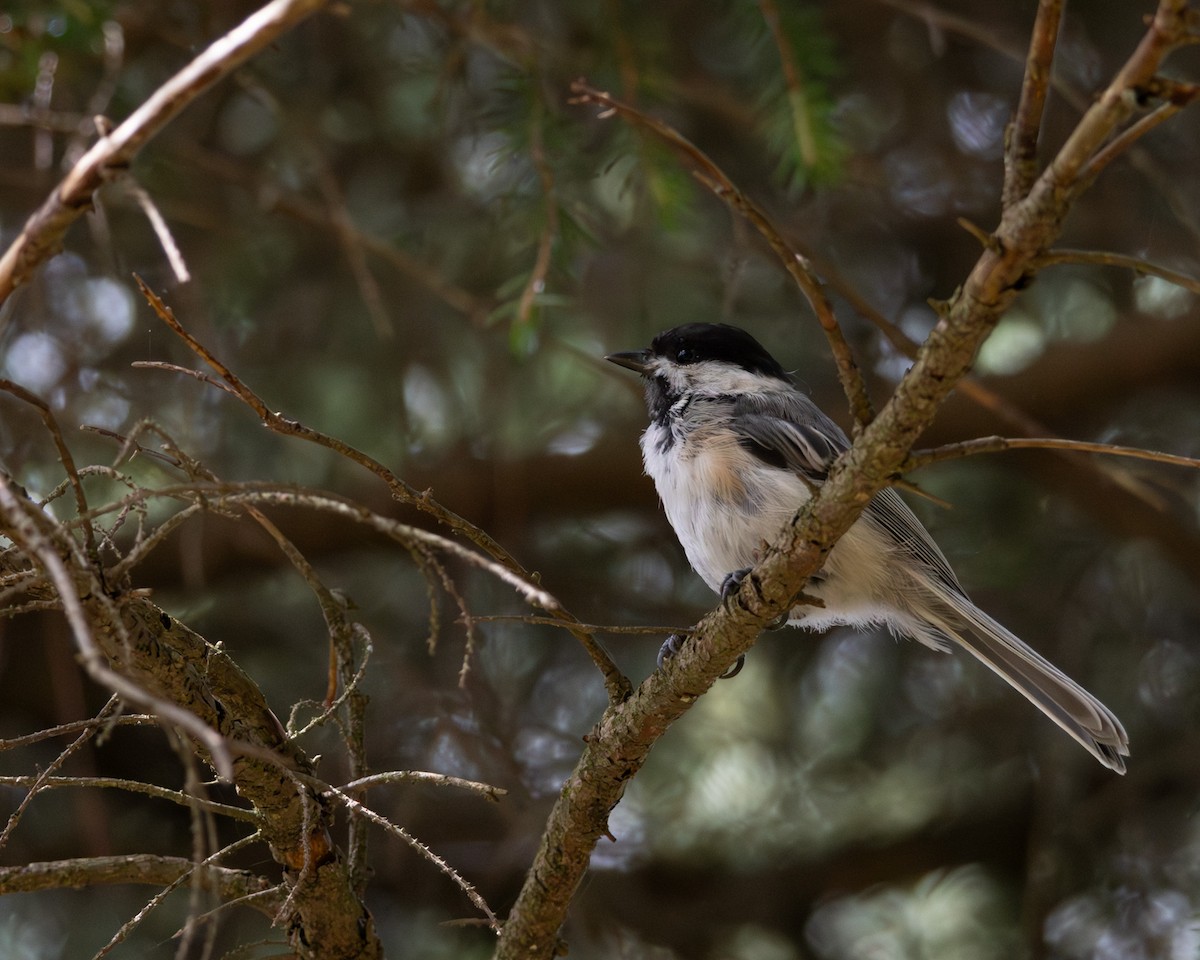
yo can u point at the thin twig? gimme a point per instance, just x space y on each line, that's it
966 448
42 781
1124 261
421 776
360 810
1122 143
158 224
1020 151
66 729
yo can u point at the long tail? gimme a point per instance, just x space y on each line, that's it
1049 689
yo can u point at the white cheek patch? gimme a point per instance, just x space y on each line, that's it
710 377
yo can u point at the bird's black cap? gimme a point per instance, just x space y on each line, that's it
697 342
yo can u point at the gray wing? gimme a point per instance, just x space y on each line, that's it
789 431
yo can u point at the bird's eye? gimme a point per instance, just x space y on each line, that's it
684 355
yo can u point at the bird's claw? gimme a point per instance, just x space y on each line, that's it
733 582
675 641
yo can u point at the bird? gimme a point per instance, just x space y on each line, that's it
735 450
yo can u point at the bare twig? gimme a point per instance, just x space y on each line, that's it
43 233
45 782
66 729
1020 150
420 776
1124 261
163 232
360 810
1121 144
965 448
715 180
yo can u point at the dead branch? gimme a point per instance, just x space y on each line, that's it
138 868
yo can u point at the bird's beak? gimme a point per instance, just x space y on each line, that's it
635 360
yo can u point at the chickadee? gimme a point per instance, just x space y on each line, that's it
735 449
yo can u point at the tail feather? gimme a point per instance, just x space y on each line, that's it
1059 697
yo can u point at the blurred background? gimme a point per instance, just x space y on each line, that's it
400 231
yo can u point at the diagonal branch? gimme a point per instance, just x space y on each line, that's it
953 451
138 868
43 234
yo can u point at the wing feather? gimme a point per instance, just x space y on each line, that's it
788 429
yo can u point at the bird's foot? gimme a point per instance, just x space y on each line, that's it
733 582
675 642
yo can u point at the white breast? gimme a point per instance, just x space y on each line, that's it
721 500
724 504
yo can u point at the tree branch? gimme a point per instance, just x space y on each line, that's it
42 236
1020 150
138 868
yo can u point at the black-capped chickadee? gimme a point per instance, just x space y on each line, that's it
735 449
